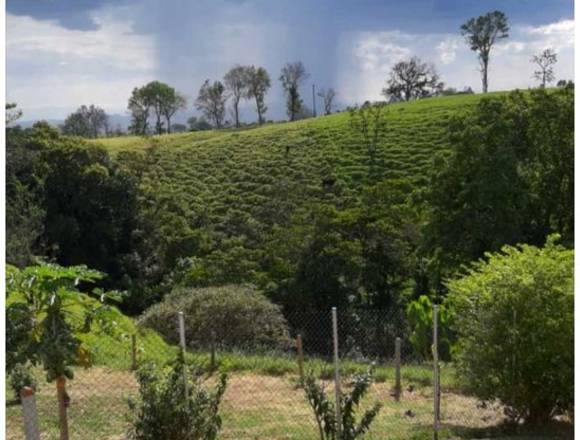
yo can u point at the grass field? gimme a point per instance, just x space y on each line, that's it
266 407
262 400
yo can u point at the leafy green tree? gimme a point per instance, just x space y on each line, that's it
412 79
139 108
12 113
76 125
57 314
90 206
291 77
370 123
545 61
172 103
327 99
162 99
25 212
508 178
481 34
258 83
514 317
196 124
211 100
88 122
236 82
420 318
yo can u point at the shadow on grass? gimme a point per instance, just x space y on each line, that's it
553 431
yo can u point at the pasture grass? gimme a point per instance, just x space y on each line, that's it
268 407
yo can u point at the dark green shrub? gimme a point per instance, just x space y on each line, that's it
325 412
21 376
514 316
236 316
163 412
420 319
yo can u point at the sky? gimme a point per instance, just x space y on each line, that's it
65 53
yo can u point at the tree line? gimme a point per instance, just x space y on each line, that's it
153 105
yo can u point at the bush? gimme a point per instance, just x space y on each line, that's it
237 316
325 412
420 318
21 376
514 316
163 413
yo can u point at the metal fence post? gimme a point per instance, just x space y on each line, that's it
336 374
398 369
29 414
300 354
436 405
181 321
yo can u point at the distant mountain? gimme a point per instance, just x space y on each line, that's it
115 120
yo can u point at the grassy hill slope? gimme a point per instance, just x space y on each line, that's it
263 171
317 147
228 196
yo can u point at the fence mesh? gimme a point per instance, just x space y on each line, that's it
263 398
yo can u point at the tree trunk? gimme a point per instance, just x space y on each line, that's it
259 112
62 417
236 103
484 75
168 119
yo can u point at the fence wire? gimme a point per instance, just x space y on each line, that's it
264 398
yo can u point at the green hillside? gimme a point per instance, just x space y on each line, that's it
248 170
222 196
317 148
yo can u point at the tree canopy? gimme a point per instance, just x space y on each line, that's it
412 79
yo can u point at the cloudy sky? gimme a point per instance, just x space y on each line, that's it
64 53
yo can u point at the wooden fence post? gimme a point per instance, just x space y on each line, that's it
398 369
62 404
436 395
336 375
29 414
133 352
212 364
300 354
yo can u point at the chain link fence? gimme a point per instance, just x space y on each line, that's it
264 398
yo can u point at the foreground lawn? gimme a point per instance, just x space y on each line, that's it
258 406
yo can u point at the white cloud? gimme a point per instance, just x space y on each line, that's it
366 58
447 49
48 64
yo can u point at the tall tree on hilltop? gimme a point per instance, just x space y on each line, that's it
327 98
293 74
173 102
481 34
139 109
236 83
412 79
12 113
86 122
211 100
258 82
545 61
157 95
